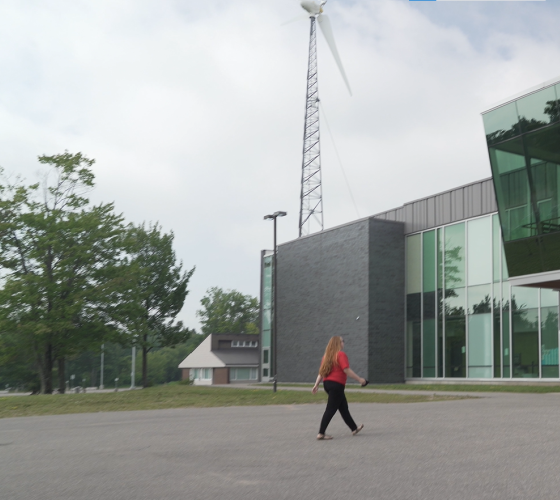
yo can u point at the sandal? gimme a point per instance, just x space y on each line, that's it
358 429
325 437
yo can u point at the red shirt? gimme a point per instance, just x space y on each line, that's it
337 373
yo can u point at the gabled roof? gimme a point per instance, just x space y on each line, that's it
204 357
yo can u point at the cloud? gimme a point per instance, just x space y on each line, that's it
194 112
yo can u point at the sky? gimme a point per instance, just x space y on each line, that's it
194 111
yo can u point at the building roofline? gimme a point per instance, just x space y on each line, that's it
532 90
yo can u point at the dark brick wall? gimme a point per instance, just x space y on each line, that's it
386 301
322 291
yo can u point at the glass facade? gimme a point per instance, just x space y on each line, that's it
463 319
523 138
266 316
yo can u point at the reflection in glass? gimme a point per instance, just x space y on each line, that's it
429 261
479 251
455 333
496 307
501 123
454 265
549 342
413 264
413 335
496 247
538 109
429 335
505 330
525 338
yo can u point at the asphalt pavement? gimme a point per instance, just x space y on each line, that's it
498 446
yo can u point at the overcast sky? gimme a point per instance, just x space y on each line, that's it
194 110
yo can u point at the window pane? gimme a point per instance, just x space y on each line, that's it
549 298
429 261
525 337
496 307
549 339
455 333
480 346
455 256
429 335
265 356
243 373
479 300
524 298
505 329
501 123
479 252
496 247
413 263
537 110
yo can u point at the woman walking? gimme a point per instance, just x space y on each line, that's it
333 372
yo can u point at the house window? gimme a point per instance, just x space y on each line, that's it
243 374
244 343
202 373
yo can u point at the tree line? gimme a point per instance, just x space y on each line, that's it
74 276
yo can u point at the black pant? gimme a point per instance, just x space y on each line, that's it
337 401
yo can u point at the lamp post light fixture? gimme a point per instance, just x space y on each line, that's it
274 370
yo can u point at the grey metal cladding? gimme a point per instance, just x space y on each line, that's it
464 202
322 290
386 302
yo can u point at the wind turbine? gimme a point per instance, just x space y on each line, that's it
311 199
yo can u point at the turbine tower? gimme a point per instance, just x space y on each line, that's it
311 197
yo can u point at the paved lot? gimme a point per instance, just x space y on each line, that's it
496 447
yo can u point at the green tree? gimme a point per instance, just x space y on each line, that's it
228 312
162 289
66 286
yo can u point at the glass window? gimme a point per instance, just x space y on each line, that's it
265 356
413 263
549 342
429 335
455 333
429 261
524 297
479 299
480 345
497 247
538 109
496 307
479 252
549 298
525 347
501 123
505 330
454 265
413 335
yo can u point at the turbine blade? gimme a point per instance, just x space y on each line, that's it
325 25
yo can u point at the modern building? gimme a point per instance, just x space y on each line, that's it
223 359
458 285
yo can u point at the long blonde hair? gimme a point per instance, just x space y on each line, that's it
330 358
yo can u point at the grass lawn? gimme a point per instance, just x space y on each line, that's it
181 396
448 387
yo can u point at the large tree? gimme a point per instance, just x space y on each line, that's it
228 311
161 288
66 286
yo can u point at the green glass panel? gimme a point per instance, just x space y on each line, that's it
549 298
538 109
497 248
440 306
496 308
429 348
429 335
413 264
523 297
454 265
505 273
525 339
501 123
455 333
549 342
506 330
265 356
265 338
480 345
440 258
479 299
414 339
429 261
479 251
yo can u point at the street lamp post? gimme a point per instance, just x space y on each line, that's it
274 370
